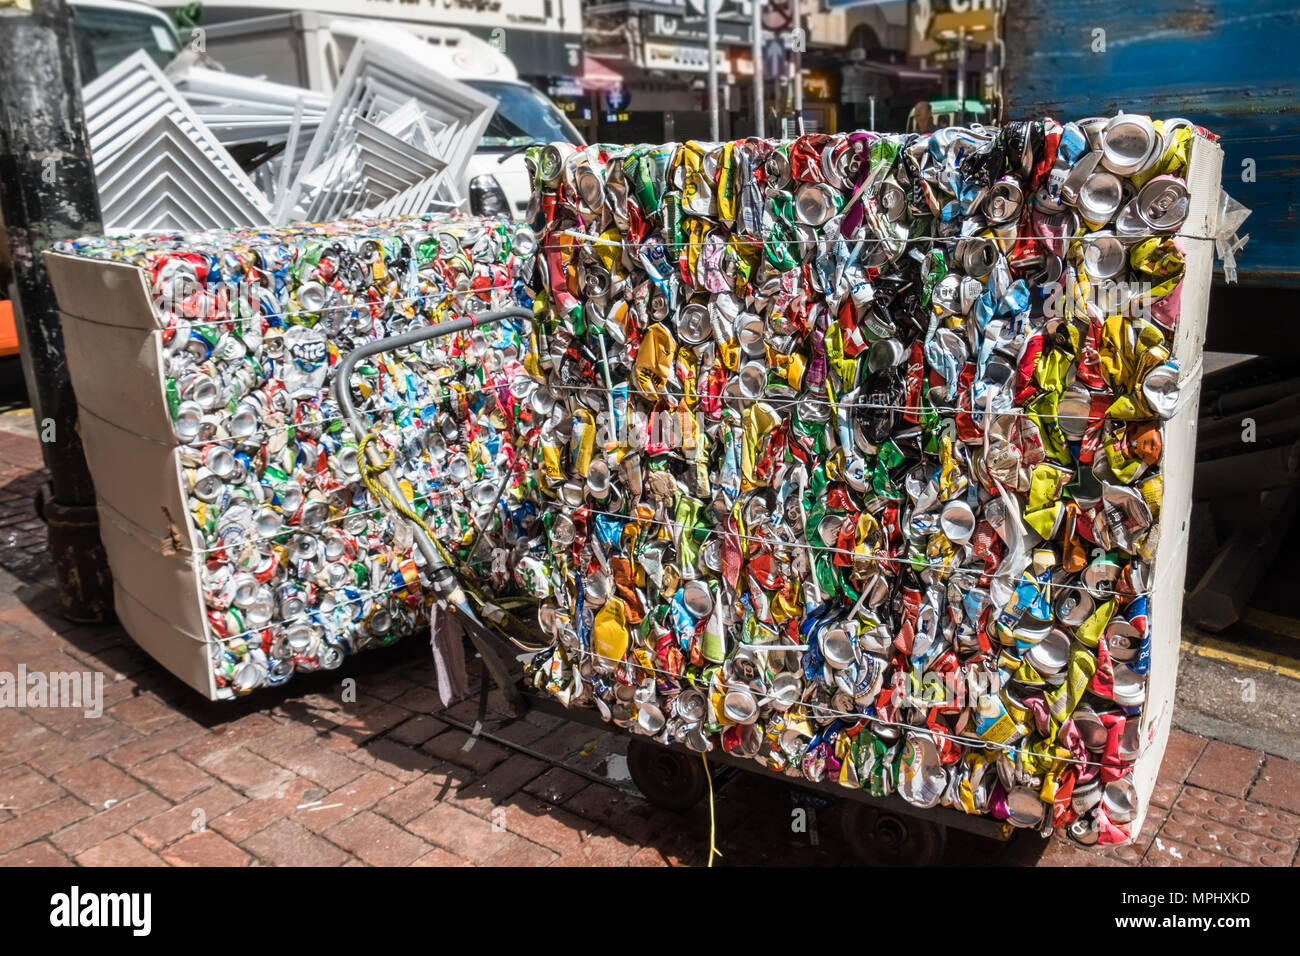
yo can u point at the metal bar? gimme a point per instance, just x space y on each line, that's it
286 165
756 26
711 8
800 42
961 77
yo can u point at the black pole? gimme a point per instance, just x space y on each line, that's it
47 193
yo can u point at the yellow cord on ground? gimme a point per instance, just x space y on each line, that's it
713 830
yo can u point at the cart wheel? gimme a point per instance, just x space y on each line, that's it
883 838
668 779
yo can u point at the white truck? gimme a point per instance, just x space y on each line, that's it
311 49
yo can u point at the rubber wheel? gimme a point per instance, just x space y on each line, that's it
884 838
667 778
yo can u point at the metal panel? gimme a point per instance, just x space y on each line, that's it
382 80
157 165
1229 65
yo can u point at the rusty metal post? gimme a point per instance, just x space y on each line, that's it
47 193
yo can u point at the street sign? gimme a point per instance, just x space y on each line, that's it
616 100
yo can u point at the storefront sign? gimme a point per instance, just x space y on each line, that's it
669 27
680 56
922 12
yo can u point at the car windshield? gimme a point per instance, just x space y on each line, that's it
523 117
106 36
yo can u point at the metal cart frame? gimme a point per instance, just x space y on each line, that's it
881 830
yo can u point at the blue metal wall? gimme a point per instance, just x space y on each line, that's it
1233 66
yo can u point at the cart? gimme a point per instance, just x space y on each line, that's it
883 831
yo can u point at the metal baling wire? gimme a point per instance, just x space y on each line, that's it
264 432
914 240
277 626
435 300
274 627
922 566
976 743
1020 412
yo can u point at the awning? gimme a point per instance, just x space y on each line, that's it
597 77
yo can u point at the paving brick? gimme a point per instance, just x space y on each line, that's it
35 854
1061 851
373 721
62 754
92 638
26 789
377 841
521 852
600 848
1278 784
170 825
556 785
420 700
360 794
208 747
419 796
521 732
1181 754
249 773
1225 827
97 782
205 849
145 713
34 824
285 843
321 765
649 856
417 730
1226 768
567 739
282 739
1168 852
121 850
481 757
126 659
395 760
482 795
1131 854
160 742
249 726
464 834
620 812
27 620
388 687
24 739
214 745
243 821
93 830
440 857
172 776
544 824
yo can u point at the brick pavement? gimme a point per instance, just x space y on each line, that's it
296 776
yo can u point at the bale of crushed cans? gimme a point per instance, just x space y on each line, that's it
270 556
851 453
